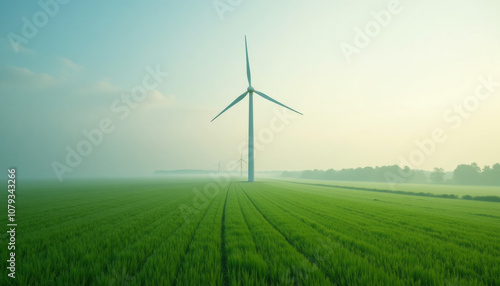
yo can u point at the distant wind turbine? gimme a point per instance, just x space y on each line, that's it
218 167
250 91
241 164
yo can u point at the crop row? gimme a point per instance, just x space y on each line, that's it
274 233
383 244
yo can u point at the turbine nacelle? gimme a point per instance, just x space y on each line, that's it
250 89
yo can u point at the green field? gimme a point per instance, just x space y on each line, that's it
209 232
436 189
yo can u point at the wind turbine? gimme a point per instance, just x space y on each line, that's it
218 167
241 164
250 90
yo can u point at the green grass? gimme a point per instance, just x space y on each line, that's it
433 189
191 232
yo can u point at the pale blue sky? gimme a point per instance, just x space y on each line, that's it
366 112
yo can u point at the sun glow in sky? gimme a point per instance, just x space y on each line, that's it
379 83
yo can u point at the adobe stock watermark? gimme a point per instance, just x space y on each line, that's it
224 6
121 107
266 135
201 200
364 36
453 117
30 26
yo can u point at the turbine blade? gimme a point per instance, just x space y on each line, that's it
233 103
244 161
272 100
249 77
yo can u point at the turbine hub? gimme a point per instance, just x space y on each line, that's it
250 89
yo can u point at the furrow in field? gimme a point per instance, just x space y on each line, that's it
311 260
426 252
144 242
341 264
189 244
73 247
245 266
446 231
286 265
91 218
223 242
88 202
419 219
202 262
163 264
162 250
353 252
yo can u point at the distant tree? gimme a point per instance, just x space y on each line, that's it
307 174
487 176
467 174
407 171
313 174
491 175
330 174
476 167
437 176
417 177
463 174
317 174
421 177
495 170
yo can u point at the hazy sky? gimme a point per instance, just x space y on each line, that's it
370 84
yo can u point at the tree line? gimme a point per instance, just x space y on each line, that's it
462 175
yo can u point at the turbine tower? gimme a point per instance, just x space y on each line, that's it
218 167
241 164
250 90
